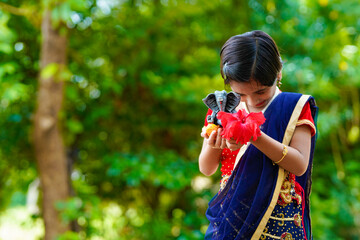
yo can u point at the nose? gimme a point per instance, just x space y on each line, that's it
249 100
253 101
243 98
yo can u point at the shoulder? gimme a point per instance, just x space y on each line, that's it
295 98
306 118
308 110
287 99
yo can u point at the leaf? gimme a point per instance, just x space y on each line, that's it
49 71
75 126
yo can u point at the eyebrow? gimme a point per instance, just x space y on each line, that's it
260 90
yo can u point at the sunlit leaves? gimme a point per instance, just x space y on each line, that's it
164 169
50 70
66 11
6 35
15 92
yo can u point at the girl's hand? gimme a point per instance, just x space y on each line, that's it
232 145
214 140
203 133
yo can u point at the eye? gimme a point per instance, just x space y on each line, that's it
262 91
239 94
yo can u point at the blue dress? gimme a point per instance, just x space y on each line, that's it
249 206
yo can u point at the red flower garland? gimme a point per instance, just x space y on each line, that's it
241 126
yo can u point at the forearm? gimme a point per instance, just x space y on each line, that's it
297 158
209 159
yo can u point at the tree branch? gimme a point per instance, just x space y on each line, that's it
14 10
31 14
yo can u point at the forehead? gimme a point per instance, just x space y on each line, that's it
247 87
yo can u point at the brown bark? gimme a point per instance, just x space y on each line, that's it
49 147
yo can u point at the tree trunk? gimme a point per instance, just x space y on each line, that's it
49 147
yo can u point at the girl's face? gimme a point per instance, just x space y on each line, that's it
255 95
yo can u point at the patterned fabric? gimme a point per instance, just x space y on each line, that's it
286 219
285 223
227 160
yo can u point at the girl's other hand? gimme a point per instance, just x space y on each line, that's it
232 145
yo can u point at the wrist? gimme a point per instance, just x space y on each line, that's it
284 153
257 138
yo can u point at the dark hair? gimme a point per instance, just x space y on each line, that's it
252 55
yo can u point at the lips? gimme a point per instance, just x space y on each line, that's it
260 104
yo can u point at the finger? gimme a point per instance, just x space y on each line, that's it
218 138
228 144
231 146
212 139
223 143
235 147
204 135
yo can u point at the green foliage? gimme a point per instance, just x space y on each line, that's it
137 71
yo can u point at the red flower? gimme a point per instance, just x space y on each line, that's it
241 126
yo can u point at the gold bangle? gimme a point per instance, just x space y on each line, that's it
285 151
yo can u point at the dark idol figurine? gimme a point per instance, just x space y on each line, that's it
221 101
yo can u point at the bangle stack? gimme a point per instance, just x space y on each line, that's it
285 151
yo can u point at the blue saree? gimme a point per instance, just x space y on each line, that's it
242 209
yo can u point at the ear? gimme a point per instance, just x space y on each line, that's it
210 102
232 102
279 76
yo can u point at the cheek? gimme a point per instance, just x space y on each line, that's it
266 96
253 100
259 98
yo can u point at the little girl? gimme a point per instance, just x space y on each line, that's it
266 183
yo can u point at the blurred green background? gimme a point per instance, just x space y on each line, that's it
132 113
